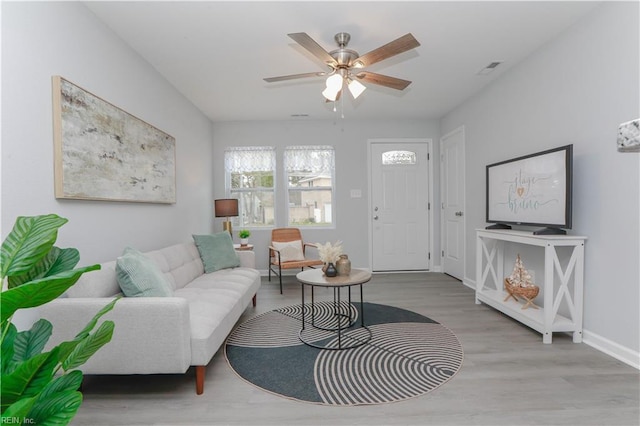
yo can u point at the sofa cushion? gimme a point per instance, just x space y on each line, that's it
139 276
289 251
217 251
180 263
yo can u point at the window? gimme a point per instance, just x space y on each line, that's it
250 177
309 175
398 157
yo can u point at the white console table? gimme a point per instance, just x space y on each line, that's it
546 320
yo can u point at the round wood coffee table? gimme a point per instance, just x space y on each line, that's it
343 316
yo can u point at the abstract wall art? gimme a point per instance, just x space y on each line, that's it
105 153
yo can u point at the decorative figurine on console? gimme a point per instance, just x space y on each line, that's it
519 284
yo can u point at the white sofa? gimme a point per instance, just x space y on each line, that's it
159 334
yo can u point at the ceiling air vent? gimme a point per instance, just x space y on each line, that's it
489 68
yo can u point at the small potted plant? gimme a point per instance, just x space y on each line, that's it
244 235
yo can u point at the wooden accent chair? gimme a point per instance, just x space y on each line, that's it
288 256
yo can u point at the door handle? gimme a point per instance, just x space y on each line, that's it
375 217
458 214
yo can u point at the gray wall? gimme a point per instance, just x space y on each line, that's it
577 89
349 138
64 38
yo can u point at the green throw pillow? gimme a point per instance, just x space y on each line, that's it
139 276
216 251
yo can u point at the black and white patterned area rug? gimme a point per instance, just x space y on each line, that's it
408 355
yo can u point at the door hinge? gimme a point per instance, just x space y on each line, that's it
428 156
429 256
428 206
442 253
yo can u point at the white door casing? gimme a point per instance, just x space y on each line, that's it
400 205
452 196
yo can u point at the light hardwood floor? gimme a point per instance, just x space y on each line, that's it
509 377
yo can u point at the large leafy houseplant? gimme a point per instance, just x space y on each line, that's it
42 387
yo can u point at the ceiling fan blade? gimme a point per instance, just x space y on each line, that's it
397 46
294 76
383 80
314 48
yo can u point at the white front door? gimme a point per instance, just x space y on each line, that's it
452 196
400 206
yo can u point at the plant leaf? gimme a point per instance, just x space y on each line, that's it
67 260
57 409
89 346
69 381
38 270
28 379
67 347
17 410
8 349
31 343
39 292
92 323
53 405
54 262
29 241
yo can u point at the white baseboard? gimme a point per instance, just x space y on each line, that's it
613 349
469 283
619 352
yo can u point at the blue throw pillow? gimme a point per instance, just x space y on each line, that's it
139 276
216 251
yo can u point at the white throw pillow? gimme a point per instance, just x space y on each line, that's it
289 251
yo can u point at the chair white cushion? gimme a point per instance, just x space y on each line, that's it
289 251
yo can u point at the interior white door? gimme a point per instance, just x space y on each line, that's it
400 206
452 197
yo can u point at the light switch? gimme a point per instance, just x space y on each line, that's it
356 193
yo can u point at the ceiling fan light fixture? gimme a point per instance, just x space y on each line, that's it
330 94
356 88
345 64
334 82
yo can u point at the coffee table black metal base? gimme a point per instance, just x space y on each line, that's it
348 336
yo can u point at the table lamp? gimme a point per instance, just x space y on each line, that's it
226 207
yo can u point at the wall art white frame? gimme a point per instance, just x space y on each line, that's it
104 153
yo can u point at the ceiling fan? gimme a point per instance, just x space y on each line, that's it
346 65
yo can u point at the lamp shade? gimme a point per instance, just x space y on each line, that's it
226 207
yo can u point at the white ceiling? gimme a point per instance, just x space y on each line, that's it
217 53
